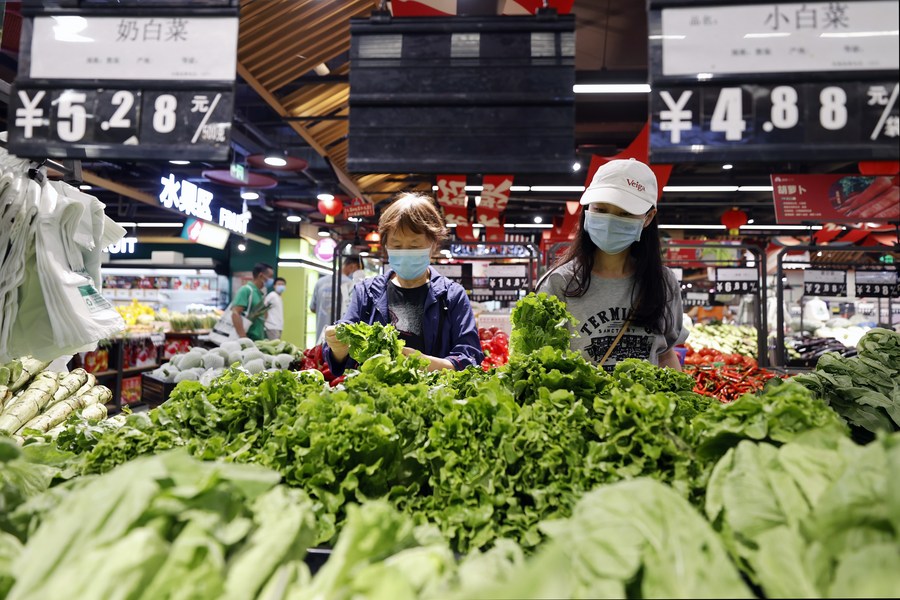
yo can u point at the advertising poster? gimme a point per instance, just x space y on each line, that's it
835 198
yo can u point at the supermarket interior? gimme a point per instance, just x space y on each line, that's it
449 299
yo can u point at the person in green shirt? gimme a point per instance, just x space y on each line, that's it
250 299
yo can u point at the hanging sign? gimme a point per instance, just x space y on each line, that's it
129 86
774 121
507 277
194 201
876 284
359 207
452 198
204 233
738 280
695 299
836 198
822 282
773 81
493 200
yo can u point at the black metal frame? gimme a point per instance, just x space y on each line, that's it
780 353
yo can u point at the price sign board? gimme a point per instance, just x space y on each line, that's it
695 299
737 280
823 282
876 284
507 277
150 82
482 295
773 81
772 122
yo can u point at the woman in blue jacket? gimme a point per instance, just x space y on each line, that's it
431 313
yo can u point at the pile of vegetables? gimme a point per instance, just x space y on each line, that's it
200 364
551 477
137 314
806 350
864 389
481 455
37 401
192 321
727 339
725 377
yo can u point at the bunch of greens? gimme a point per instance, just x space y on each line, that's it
539 320
818 517
779 414
864 389
167 526
24 474
366 340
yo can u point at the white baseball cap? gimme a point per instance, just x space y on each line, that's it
628 184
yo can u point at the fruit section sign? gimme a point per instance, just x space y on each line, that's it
836 198
149 82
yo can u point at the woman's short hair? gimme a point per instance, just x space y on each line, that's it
413 212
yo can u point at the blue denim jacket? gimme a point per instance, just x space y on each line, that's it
459 341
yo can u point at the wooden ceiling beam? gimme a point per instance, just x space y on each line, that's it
254 35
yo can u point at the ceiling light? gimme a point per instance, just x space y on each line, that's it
704 227
557 188
519 188
576 166
474 188
538 220
755 188
294 218
242 246
179 162
250 195
451 225
355 219
363 254
727 167
325 197
446 252
85 187
751 221
161 225
126 223
324 232
273 160
819 253
321 69
700 188
782 227
611 88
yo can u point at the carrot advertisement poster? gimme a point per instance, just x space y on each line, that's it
836 198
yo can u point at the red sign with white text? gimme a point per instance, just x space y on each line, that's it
359 207
836 198
494 198
451 196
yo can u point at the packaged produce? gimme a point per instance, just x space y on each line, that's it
727 339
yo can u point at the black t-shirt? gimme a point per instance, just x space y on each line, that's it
406 307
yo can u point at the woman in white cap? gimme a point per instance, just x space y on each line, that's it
627 304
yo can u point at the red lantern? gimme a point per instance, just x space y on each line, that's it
733 219
330 207
373 238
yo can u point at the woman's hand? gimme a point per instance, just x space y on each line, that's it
434 363
339 349
670 359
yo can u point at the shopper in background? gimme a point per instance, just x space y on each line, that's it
612 279
320 305
275 314
431 313
250 303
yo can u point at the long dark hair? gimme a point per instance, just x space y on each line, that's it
651 293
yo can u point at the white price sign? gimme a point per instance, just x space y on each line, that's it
506 271
451 271
822 282
134 48
737 280
780 38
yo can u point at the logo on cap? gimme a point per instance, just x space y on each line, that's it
635 184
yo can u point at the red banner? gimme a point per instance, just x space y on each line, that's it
495 234
494 198
423 8
358 207
836 198
466 233
451 196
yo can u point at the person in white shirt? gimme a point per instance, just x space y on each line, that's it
275 316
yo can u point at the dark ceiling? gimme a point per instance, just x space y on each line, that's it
283 104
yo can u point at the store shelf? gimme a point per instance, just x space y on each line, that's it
125 372
109 373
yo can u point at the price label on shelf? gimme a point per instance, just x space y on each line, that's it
822 282
737 280
120 123
695 299
876 284
507 277
774 121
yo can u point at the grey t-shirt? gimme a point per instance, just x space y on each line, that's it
602 311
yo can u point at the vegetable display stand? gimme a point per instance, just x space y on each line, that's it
129 357
855 280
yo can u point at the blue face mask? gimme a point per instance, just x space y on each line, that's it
409 264
612 234
280 289
270 282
